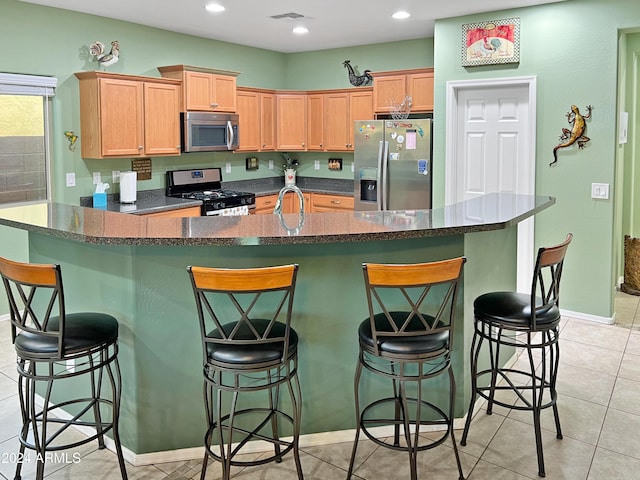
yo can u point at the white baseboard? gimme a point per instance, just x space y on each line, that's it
588 317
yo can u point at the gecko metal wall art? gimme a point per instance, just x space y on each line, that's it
576 133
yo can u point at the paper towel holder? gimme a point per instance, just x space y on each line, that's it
128 186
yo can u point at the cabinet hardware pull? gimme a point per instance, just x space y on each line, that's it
214 105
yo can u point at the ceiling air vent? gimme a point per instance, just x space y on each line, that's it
291 15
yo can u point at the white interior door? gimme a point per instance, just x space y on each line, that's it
491 148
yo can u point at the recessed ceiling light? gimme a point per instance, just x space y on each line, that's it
401 15
300 30
214 7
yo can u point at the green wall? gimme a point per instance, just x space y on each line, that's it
571 47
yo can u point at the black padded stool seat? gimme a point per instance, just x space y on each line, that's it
261 353
513 310
413 345
47 341
248 346
83 331
407 340
521 322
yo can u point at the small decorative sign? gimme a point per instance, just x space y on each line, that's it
251 163
143 167
491 43
335 164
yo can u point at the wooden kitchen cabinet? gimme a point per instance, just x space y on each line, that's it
323 202
290 203
341 110
204 89
267 121
128 116
265 204
291 125
177 212
248 120
390 88
256 113
315 121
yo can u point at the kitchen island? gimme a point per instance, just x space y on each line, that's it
134 268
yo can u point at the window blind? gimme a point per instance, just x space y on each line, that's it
15 84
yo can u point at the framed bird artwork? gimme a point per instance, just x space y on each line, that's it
491 43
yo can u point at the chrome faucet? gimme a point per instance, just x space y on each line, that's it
285 189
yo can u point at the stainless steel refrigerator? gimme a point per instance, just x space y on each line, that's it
392 164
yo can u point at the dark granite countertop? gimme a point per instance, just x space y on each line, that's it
152 201
89 225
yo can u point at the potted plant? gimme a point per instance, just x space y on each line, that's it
289 169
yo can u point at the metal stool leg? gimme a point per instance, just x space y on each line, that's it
116 389
358 420
452 399
476 345
296 403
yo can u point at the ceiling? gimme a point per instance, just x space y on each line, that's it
331 23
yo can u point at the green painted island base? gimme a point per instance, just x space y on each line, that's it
147 288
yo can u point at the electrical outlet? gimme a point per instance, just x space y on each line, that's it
270 164
71 179
115 176
227 168
316 164
97 178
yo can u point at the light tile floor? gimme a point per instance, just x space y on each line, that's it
599 388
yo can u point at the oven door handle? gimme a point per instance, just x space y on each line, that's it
230 135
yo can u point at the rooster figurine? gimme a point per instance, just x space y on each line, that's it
357 80
97 50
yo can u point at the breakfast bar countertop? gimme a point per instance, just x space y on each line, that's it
88 225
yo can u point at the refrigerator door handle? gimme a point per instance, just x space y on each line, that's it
383 189
379 175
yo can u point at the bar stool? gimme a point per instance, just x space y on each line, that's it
248 345
407 338
51 346
528 321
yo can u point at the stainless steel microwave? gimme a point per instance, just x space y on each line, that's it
209 132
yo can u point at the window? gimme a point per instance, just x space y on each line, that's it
25 105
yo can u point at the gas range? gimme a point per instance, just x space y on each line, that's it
205 184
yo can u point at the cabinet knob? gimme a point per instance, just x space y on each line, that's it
303 144
214 105
336 202
140 147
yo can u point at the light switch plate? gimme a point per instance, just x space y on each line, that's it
71 179
97 178
227 168
600 191
316 164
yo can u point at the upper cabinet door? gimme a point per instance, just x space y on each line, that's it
336 114
267 121
162 119
249 120
315 121
199 91
224 94
121 119
420 88
292 121
388 91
